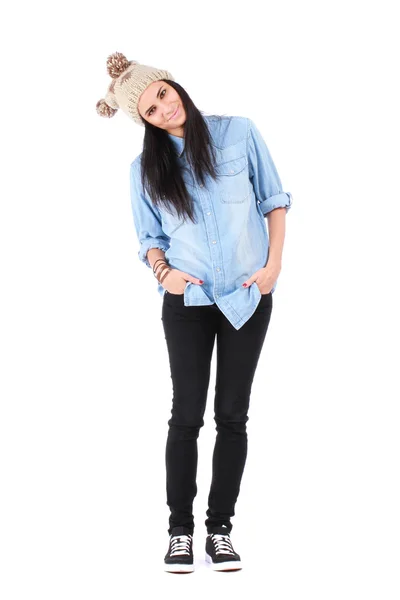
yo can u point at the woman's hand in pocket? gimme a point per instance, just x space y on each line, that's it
175 281
265 277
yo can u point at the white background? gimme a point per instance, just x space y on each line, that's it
85 385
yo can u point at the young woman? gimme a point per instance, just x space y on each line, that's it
200 191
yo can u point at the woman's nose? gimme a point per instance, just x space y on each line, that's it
169 112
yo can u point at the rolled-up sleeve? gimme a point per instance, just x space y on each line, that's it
146 217
263 174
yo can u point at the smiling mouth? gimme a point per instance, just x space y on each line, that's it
174 113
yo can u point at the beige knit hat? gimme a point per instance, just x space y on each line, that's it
130 79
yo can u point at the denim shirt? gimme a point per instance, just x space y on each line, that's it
229 240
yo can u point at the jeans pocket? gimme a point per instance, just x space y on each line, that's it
172 294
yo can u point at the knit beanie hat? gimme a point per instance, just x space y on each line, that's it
129 80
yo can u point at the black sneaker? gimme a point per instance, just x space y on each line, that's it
179 558
219 551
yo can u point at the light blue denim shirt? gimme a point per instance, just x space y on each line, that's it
230 240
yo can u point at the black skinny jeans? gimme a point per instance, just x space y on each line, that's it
189 333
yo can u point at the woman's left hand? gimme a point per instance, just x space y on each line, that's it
265 278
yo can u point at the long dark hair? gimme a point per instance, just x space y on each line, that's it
160 171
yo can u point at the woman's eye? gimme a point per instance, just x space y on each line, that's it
161 96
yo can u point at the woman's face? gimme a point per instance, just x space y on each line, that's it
158 105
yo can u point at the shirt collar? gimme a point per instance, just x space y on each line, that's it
178 142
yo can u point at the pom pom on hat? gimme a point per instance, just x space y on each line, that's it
108 106
104 110
117 63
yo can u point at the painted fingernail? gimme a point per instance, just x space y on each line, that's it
245 285
201 281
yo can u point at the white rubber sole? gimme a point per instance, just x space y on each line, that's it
177 568
229 565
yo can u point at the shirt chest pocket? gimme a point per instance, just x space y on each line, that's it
233 180
170 222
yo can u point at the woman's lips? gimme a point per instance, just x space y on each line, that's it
175 113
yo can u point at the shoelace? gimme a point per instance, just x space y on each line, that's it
222 543
180 544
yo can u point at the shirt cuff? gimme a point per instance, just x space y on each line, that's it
282 200
148 245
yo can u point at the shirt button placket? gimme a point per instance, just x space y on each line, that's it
213 235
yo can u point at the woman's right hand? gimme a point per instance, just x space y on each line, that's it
175 281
